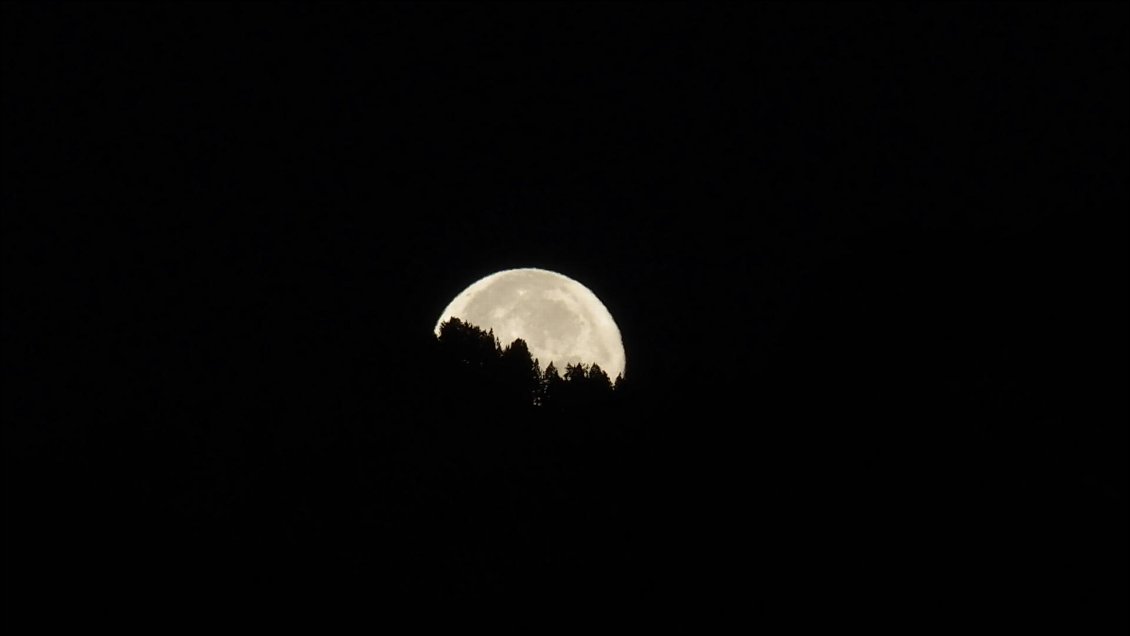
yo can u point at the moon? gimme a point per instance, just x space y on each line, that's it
560 319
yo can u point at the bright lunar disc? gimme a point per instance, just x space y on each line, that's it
560 319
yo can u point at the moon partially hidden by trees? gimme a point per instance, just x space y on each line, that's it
560 319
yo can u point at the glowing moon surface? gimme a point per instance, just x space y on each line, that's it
560 319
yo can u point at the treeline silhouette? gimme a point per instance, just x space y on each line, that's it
485 369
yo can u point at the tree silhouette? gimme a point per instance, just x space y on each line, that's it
519 373
468 344
598 379
576 373
550 386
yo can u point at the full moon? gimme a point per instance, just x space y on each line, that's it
560 319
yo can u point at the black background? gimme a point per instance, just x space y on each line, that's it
868 262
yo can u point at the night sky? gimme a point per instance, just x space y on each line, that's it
826 232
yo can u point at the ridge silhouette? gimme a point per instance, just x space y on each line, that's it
456 467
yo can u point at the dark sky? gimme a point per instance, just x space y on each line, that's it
299 173
206 207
